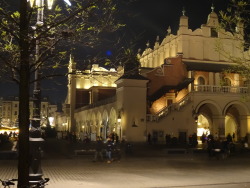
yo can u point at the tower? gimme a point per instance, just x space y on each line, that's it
71 94
131 95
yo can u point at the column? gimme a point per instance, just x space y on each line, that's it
211 79
244 129
219 126
217 79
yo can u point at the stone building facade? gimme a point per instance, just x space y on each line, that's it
181 88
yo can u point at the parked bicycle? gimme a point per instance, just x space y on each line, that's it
39 184
8 183
36 184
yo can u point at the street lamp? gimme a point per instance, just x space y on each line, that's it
35 173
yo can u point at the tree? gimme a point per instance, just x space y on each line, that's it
30 45
236 21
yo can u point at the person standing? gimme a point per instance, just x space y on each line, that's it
109 148
98 149
149 138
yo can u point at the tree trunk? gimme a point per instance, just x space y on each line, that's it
23 158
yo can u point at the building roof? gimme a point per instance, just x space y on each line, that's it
169 88
133 76
206 66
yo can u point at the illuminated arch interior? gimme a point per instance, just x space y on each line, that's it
202 125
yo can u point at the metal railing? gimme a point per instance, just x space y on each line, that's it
220 89
168 109
197 88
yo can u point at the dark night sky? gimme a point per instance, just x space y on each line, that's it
149 18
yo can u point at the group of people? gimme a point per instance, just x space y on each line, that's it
106 150
219 148
5 137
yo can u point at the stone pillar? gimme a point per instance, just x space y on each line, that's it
131 102
244 127
211 79
236 80
217 79
219 126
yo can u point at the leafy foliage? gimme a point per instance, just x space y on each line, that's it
236 20
82 23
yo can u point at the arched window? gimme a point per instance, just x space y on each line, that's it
201 81
226 82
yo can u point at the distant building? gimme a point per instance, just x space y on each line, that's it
9 111
181 88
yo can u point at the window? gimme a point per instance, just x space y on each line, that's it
226 82
201 81
247 83
169 102
214 33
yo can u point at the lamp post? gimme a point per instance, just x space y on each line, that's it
35 172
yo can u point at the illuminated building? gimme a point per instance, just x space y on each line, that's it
9 111
185 90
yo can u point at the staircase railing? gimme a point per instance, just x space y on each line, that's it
168 109
197 88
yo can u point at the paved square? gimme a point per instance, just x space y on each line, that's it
172 170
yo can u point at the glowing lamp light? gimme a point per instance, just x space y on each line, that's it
119 119
50 3
32 3
51 120
68 2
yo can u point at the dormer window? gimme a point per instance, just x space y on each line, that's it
214 33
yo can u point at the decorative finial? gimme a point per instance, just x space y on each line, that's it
183 11
212 7
157 39
169 30
147 44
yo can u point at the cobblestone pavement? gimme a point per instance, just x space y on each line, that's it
169 171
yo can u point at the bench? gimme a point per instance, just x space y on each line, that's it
176 150
8 154
84 152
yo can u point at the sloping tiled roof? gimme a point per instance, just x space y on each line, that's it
133 76
207 66
166 89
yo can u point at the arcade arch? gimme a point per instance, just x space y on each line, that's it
233 119
206 114
236 113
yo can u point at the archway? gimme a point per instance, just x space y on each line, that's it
203 125
206 112
236 122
